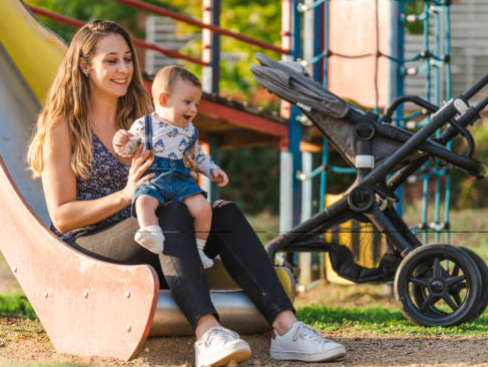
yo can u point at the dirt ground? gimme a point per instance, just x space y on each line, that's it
24 341
363 349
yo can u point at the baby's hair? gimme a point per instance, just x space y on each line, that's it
166 78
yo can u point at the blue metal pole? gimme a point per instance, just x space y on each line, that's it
295 129
325 152
318 41
397 11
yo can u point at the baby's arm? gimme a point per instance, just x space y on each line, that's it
126 142
207 166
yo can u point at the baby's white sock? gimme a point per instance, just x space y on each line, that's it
151 238
206 261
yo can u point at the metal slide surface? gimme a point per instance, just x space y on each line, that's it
18 111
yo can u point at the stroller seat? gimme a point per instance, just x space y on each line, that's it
337 119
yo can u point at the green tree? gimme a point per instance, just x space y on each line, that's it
467 191
94 9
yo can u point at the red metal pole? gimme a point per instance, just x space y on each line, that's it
138 42
197 23
285 108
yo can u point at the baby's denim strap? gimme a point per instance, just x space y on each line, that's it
148 131
192 142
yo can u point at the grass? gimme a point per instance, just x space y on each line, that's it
16 305
381 320
266 226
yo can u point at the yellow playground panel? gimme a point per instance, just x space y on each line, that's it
30 45
366 244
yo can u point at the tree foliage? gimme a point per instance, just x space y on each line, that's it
467 191
87 10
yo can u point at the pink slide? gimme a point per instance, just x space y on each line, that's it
87 307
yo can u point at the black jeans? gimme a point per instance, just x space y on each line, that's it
180 268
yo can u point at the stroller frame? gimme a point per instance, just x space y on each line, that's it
421 279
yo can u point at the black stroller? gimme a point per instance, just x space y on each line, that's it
436 285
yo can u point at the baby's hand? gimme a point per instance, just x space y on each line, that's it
220 176
125 143
121 138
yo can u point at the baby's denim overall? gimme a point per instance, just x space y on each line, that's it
172 181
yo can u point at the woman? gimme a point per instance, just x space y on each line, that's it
88 189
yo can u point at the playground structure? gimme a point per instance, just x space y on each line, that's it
375 33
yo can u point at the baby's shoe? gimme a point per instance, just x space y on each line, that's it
151 238
206 261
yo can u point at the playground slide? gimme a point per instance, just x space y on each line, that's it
74 295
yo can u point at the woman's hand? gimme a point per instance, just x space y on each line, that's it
194 171
139 165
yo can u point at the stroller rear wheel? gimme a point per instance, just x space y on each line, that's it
438 285
420 294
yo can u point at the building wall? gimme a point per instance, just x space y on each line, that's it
469 48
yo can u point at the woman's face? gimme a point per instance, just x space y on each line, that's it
111 67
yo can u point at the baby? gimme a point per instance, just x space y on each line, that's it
171 135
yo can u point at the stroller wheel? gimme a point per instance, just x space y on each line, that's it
420 293
483 302
438 285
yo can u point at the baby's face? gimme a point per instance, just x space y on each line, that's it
181 103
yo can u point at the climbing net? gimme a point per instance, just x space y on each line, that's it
433 61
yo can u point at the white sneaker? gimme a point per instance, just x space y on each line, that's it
206 261
151 238
220 347
303 343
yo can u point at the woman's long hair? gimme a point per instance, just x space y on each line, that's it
69 96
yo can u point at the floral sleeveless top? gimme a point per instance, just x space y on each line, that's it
107 175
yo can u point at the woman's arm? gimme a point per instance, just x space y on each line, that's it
59 184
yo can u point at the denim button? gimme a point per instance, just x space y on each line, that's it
174 163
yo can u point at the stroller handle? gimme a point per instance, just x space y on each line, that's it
476 88
481 104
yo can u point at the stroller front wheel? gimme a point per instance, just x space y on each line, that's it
483 268
437 285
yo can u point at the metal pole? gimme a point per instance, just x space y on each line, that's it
210 78
396 35
286 158
325 152
437 99
211 47
295 127
305 258
447 52
305 261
